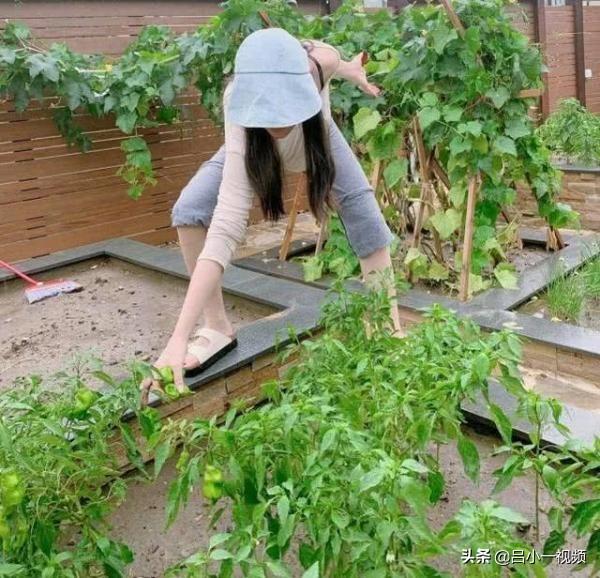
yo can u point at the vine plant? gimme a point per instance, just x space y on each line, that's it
463 89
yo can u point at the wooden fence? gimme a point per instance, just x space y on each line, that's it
570 38
53 197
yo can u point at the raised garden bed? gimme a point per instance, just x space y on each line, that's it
125 312
559 359
140 520
241 374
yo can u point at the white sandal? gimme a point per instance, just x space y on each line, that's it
218 346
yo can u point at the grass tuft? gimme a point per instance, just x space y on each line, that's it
566 297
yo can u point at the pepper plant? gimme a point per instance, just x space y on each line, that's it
338 472
572 133
60 477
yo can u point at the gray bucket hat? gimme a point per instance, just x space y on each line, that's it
272 84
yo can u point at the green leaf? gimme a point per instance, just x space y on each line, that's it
45 65
445 223
312 572
481 366
396 170
441 37
415 493
429 99
505 145
416 262
584 516
473 127
328 440
313 268
428 116
371 479
470 457
161 455
278 569
283 509
517 128
217 539
11 569
126 121
219 554
458 194
452 113
554 542
550 477
437 484
437 272
498 96
365 120
502 422
476 283
340 518
503 513
506 276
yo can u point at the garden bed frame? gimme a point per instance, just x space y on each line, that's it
554 347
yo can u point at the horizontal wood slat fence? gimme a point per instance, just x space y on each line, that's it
53 197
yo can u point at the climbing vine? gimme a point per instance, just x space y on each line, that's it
460 90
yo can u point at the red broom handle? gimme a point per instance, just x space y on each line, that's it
18 273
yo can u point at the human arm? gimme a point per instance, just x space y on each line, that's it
226 231
352 71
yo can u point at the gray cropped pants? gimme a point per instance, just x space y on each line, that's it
357 206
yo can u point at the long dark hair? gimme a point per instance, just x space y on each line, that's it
263 166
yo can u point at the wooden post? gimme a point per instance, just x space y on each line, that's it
554 240
541 39
376 176
468 239
289 230
265 18
579 51
453 17
423 169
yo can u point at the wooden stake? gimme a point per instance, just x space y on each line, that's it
468 239
376 176
289 230
265 18
424 171
554 241
453 17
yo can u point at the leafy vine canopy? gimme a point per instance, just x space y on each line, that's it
462 86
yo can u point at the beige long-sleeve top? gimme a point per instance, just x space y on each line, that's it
230 219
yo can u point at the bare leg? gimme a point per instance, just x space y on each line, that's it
191 241
381 260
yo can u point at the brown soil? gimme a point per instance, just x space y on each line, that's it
140 520
123 312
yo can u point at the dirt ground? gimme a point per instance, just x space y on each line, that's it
123 312
140 520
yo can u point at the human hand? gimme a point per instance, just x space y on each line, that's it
359 75
168 371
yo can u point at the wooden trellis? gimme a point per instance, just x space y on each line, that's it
429 165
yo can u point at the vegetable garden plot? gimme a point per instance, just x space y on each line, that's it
340 474
140 519
124 312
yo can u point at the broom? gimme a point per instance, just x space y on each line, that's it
39 290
